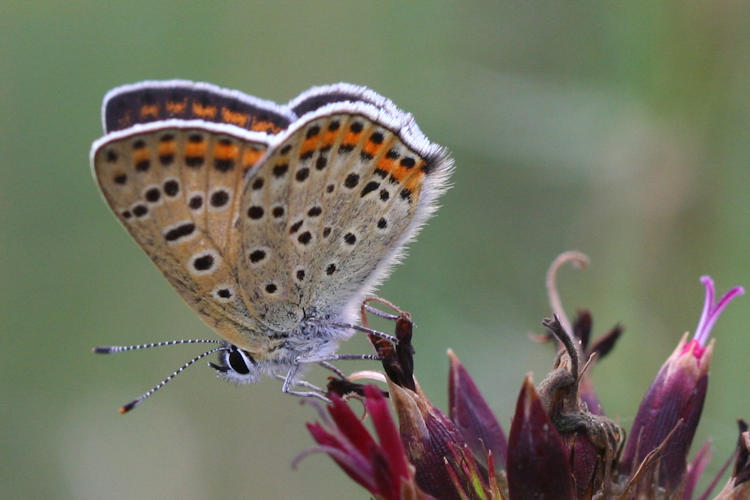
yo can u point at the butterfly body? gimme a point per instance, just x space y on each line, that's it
271 221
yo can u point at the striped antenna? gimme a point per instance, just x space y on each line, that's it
111 349
126 408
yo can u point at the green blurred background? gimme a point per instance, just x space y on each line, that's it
615 128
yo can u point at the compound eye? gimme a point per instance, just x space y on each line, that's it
237 362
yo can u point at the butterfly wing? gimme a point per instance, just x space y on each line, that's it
304 231
330 208
174 185
152 101
318 97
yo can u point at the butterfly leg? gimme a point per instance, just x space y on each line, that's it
290 382
370 331
367 308
303 383
377 312
338 357
334 369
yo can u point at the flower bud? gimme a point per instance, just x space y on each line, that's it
669 412
429 438
537 457
473 416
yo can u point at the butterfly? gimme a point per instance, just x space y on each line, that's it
273 222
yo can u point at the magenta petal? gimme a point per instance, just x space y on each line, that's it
348 423
696 468
388 483
537 458
716 312
355 466
472 415
388 435
712 312
323 437
707 305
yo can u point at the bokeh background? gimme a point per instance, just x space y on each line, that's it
615 128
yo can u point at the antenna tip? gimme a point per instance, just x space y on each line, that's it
126 408
102 350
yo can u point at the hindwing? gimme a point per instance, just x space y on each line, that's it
175 187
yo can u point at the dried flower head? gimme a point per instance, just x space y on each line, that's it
560 445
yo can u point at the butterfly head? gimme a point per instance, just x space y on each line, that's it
237 365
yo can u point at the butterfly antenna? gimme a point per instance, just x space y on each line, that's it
111 349
126 408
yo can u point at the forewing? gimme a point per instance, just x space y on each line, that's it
152 101
175 187
330 207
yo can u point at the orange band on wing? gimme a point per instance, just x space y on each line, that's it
265 126
149 110
226 151
388 166
176 107
140 154
195 148
251 156
234 117
406 170
167 147
125 120
308 146
350 138
329 137
414 182
371 148
204 111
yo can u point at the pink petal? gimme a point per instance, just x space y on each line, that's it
348 423
387 432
